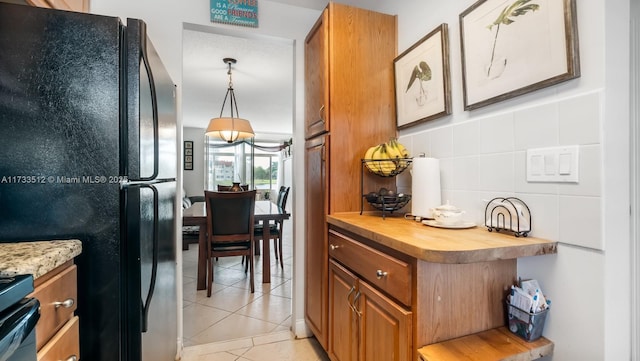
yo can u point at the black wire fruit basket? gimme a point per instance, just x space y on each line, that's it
388 203
388 167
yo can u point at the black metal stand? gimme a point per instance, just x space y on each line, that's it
497 211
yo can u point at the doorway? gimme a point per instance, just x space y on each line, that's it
263 81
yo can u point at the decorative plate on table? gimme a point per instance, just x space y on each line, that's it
461 225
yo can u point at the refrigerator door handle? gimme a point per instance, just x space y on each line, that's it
154 265
154 109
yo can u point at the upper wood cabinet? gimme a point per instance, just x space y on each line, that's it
70 5
316 60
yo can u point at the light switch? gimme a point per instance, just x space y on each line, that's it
549 164
536 165
556 164
564 164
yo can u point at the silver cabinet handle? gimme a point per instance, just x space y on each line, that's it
334 247
68 303
353 288
322 113
380 273
71 358
355 307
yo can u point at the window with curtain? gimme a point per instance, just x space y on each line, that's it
256 164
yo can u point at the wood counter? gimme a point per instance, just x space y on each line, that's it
439 245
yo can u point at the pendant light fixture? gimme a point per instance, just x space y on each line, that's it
231 128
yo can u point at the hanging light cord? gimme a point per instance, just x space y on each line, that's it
234 103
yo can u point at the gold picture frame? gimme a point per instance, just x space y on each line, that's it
514 47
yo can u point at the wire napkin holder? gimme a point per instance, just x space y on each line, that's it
508 214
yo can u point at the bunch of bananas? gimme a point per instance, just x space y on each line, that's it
387 158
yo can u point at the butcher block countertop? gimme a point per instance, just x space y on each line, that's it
440 245
36 258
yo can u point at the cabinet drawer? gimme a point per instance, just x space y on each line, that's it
64 345
386 272
57 298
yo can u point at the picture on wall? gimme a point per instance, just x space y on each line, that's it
422 79
188 155
513 47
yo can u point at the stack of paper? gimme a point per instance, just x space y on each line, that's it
528 297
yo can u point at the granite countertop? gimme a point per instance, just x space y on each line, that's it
36 258
440 245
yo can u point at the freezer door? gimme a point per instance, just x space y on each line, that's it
151 305
151 129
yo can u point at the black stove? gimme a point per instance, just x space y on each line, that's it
13 289
18 318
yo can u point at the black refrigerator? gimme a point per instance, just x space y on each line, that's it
88 151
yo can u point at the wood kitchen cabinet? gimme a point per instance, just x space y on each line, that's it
349 106
57 331
364 324
70 5
388 304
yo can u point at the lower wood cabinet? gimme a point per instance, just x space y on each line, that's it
57 331
384 305
364 324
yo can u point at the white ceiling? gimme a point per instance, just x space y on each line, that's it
262 77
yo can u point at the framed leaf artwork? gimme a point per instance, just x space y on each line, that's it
513 47
422 79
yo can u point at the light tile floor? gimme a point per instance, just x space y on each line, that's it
234 324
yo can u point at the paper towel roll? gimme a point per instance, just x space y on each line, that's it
425 186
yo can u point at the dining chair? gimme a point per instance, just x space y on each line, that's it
275 229
230 218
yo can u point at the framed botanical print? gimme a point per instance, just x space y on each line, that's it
422 79
513 47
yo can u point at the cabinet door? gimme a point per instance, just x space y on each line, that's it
385 327
316 59
343 321
316 254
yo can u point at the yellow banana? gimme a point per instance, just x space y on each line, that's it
386 166
370 154
393 150
399 151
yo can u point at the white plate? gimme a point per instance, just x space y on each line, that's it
460 225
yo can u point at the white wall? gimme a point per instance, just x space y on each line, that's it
482 155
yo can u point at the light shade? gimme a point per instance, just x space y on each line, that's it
229 129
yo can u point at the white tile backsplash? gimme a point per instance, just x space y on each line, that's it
579 119
496 172
484 158
496 134
544 214
465 173
441 142
536 127
580 221
465 139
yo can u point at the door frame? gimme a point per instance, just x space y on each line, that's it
634 93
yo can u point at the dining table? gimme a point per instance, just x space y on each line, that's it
265 212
